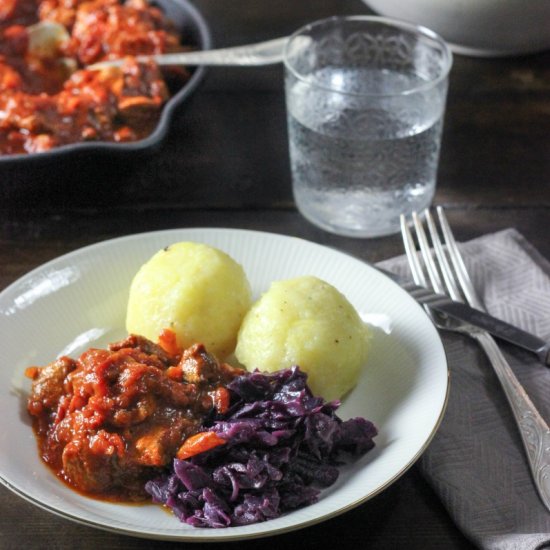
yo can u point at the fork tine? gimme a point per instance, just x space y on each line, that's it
412 256
458 262
433 273
444 266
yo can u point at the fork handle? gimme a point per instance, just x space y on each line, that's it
534 431
262 53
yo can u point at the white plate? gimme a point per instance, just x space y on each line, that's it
79 300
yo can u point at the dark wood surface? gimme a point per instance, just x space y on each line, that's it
225 164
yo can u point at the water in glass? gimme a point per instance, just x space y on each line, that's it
357 166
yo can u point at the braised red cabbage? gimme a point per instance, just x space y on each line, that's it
283 446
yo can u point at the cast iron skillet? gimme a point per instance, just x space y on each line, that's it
18 172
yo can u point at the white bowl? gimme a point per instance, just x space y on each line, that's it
478 27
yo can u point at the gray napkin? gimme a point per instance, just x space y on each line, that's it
476 462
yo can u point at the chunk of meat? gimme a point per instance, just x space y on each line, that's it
17 12
157 446
7 9
10 79
48 385
14 41
146 346
200 367
60 11
91 463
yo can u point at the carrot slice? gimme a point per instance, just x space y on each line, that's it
199 443
32 372
168 342
174 372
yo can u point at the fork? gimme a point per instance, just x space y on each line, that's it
447 274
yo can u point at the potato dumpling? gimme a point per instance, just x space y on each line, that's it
199 292
306 322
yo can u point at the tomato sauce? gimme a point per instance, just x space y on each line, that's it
51 100
115 418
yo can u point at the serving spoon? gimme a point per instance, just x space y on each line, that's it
262 53
46 37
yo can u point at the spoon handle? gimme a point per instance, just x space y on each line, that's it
263 53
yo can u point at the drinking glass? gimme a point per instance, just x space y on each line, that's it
365 102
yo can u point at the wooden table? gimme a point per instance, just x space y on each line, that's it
225 164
